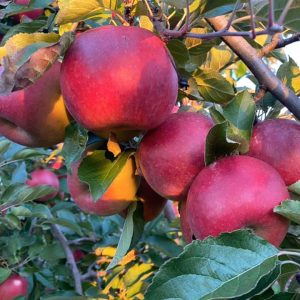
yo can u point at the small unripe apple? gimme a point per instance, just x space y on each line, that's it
121 76
34 14
277 142
237 192
117 197
171 155
78 255
35 116
44 177
15 286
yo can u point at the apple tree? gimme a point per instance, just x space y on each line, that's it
149 149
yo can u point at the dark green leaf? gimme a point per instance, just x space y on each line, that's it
179 52
228 266
139 224
218 144
295 188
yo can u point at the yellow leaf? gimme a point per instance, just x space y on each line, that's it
22 40
129 257
107 251
78 10
65 28
146 23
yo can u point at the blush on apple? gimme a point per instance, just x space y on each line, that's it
33 14
44 177
171 155
237 192
277 142
118 79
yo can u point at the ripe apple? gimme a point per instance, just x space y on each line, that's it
116 198
184 223
44 177
35 116
34 14
236 192
15 286
171 155
277 142
118 79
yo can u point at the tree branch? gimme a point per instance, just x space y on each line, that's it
255 64
70 257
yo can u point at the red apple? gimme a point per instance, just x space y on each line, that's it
277 142
34 14
15 286
117 197
118 79
184 223
171 155
237 192
78 255
44 177
153 203
35 116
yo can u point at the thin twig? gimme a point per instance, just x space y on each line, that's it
233 14
271 46
252 16
70 257
271 14
82 240
284 42
284 12
260 94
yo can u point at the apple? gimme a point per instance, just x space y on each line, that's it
237 192
15 286
35 116
34 14
277 142
184 223
171 155
78 255
44 177
117 197
121 76
152 202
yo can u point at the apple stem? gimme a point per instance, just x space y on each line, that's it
70 257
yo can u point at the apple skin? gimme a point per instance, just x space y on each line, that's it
184 223
15 286
237 192
35 116
117 197
171 155
118 79
34 14
277 142
44 177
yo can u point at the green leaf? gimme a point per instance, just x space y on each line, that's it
179 52
28 153
4 146
4 274
240 112
228 266
289 74
74 144
216 115
218 144
66 223
213 87
295 188
98 171
289 209
126 237
139 224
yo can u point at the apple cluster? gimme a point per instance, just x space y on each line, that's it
121 81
